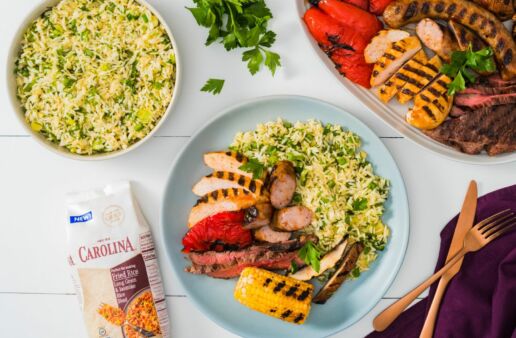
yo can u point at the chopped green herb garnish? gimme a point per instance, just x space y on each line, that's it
462 65
239 24
213 86
311 255
254 167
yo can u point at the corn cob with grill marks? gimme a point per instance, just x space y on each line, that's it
275 295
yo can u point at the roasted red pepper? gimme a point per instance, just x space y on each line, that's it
378 6
219 232
353 67
343 45
329 33
364 4
351 17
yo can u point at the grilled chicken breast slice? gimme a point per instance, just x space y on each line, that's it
219 201
381 42
227 161
432 105
419 78
225 180
393 58
398 80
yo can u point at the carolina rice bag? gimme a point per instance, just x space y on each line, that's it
114 266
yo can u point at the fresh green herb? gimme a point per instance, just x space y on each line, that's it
213 86
355 273
463 65
293 267
311 255
254 167
359 204
297 198
239 24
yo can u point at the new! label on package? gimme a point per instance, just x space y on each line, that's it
113 264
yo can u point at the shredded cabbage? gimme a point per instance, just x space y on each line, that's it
335 180
95 76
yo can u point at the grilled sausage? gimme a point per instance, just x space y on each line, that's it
282 184
401 12
437 38
501 8
465 36
258 215
292 218
266 234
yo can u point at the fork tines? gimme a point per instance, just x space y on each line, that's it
497 224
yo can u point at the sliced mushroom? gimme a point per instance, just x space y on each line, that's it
327 262
339 276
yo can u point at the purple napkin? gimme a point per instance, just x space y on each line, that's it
480 300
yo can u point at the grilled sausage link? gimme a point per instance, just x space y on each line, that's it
292 218
401 12
501 8
282 184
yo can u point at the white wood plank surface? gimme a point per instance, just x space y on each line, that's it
35 286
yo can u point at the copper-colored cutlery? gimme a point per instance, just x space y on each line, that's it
476 238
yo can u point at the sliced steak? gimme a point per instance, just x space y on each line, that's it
245 255
489 90
456 111
476 101
490 128
280 262
497 81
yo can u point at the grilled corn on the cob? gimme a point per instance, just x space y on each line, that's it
275 295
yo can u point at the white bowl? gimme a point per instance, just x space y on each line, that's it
11 87
394 113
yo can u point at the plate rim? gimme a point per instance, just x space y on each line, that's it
229 109
388 116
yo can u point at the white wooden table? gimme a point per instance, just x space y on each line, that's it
36 294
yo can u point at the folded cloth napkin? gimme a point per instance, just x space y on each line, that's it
480 300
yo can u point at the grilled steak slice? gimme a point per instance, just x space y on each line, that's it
476 101
497 81
488 90
246 255
456 111
490 128
276 261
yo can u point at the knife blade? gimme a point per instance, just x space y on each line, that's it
464 223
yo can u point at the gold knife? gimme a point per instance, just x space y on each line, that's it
464 223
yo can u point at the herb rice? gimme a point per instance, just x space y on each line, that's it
95 76
335 180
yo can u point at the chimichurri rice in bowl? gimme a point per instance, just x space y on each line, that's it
95 76
335 180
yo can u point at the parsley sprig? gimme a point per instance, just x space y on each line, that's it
463 66
240 24
213 86
311 255
254 167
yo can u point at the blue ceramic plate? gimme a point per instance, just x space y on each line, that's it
215 297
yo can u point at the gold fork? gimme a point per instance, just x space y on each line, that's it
476 238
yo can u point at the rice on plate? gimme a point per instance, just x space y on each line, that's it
95 76
335 181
